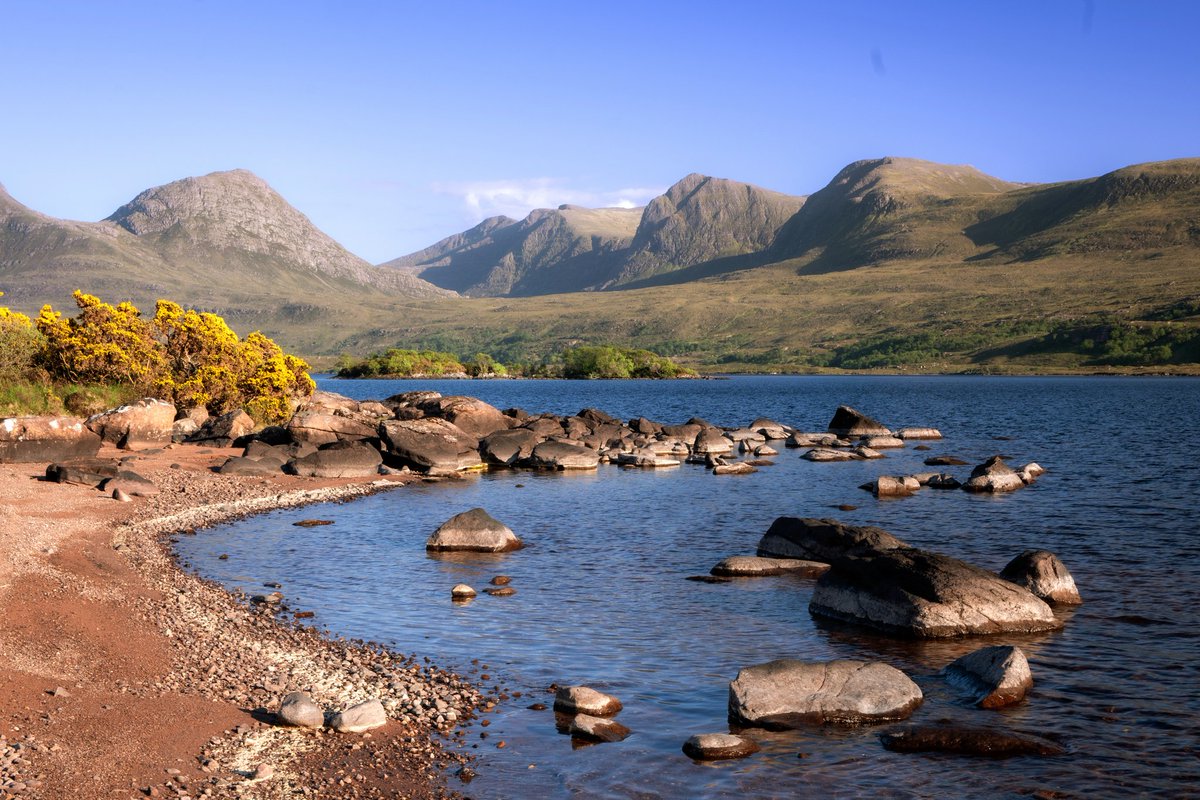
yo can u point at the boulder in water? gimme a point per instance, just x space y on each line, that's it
995 676
848 422
563 456
788 694
473 531
1042 573
824 540
758 566
967 741
993 476
719 746
431 445
585 700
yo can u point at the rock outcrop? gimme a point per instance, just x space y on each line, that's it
430 445
46 439
1042 573
148 422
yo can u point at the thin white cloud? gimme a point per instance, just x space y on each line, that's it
516 198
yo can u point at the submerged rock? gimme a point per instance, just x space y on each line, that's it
718 746
473 531
967 741
995 676
758 566
1042 573
787 693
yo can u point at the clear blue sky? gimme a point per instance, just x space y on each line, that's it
394 124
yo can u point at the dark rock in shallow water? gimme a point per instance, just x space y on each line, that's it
757 566
787 693
848 422
559 455
824 540
509 447
945 461
967 741
597 729
1042 573
338 460
913 592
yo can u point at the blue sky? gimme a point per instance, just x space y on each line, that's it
392 125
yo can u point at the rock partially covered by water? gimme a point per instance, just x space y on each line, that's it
919 433
462 591
824 540
993 476
719 746
826 454
430 445
737 468
585 700
597 729
788 694
995 676
359 718
298 709
967 741
914 592
509 447
758 566
848 422
473 531
1042 573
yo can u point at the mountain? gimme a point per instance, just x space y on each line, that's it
224 242
565 249
701 219
888 208
571 249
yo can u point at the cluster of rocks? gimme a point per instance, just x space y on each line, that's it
879 581
587 715
17 774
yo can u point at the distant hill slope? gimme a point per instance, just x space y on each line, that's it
551 250
224 242
700 219
568 249
888 208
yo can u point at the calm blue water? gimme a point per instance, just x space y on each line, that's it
602 597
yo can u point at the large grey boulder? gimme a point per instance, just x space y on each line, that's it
431 445
359 718
824 540
788 694
563 456
509 447
848 422
298 709
46 439
711 441
473 531
585 700
1042 573
223 430
338 460
719 746
993 476
995 676
148 422
318 426
912 592
470 415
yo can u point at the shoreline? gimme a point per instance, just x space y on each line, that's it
127 676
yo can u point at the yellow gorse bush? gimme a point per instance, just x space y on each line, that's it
189 357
